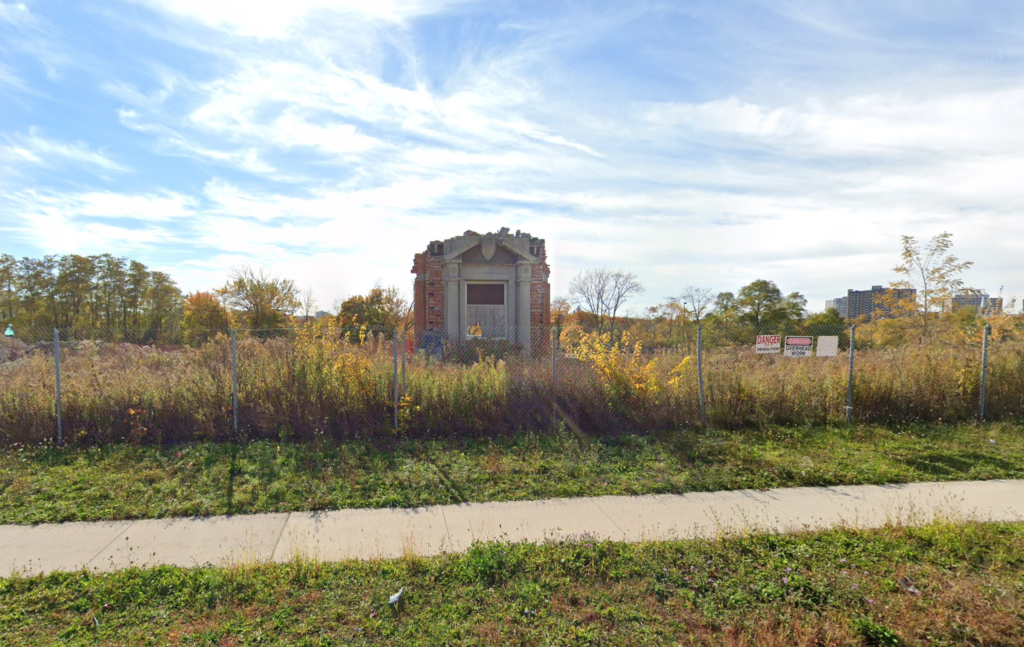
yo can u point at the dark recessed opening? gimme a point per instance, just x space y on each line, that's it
485 294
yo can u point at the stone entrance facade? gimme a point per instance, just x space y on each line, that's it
491 286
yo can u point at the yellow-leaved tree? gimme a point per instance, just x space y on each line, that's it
629 380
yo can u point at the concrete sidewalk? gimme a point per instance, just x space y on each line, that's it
367 534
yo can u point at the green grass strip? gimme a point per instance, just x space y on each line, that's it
935 585
39 485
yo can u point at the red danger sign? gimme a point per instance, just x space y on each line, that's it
767 344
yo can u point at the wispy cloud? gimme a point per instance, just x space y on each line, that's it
331 140
32 148
16 13
282 19
9 78
90 222
977 122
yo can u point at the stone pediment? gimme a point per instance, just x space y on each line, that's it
496 248
499 256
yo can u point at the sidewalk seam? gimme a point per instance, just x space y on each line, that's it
120 532
273 553
598 506
447 532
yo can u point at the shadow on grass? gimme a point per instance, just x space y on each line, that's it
457 494
947 465
232 469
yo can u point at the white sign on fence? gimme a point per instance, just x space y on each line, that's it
767 344
798 346
827 347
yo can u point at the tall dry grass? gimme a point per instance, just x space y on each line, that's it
319 383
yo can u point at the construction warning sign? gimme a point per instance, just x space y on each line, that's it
798 346
767 344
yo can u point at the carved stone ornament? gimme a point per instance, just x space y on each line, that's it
489 246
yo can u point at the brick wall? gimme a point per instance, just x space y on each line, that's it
540 292
434 293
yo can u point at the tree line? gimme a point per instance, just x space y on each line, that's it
597 298
119 298
929 269
97 292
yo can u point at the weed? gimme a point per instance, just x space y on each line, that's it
830 587
121 481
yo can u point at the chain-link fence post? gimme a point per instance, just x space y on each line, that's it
56 363
554 389
234 380
395 382
849 379
700 374
984 371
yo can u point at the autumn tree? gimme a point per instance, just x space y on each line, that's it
381 307
37 281
560 310
8 290
933 271
109 288
99 292
163 301
725 306
72 289
261 300
761 303
757 300
204 316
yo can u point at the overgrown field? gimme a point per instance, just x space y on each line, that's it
322 384
119 481
937 585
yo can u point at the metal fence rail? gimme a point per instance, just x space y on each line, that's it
324 379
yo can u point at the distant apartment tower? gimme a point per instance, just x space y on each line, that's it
979 301
839 303
877 300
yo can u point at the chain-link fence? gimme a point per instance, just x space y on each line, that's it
145 386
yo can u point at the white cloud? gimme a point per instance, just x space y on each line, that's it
10 78
281 19
35 149
16 13
91 222
64 207
345 141
978 122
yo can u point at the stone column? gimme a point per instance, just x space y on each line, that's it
524 276
452 301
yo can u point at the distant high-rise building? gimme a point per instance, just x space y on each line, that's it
979 301
839 303
877 300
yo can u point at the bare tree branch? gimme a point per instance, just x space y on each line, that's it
603 292
696 301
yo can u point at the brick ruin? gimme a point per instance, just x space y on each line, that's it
491 286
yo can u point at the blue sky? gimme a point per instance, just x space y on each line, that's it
705 143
